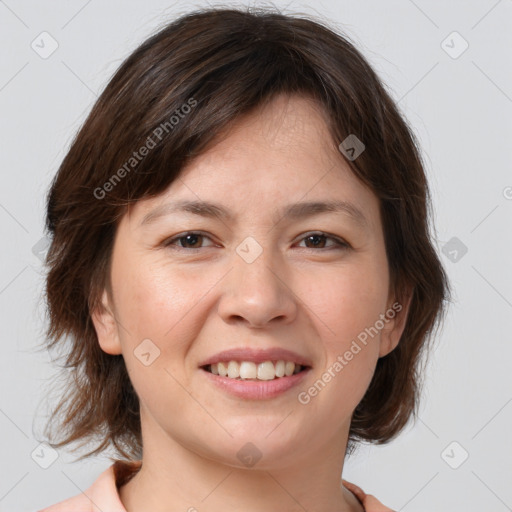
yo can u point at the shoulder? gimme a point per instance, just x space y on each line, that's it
74 504
101 495
369 502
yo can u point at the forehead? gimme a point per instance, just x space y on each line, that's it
294 124
279 154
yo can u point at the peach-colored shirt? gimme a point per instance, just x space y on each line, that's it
103 495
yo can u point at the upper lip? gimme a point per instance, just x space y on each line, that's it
256 356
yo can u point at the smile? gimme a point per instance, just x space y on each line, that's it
245 370
251 381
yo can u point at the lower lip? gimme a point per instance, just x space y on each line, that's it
257 390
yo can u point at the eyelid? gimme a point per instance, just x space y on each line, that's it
340 243
168 241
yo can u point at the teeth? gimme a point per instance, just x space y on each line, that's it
247 370
222 369
233 370
280 366
288 368
267 370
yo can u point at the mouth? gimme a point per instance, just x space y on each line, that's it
251 371
248 380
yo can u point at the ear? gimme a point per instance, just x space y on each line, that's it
106 327
394 324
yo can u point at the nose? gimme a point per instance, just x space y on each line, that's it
258 292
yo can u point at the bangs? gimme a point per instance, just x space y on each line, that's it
163 115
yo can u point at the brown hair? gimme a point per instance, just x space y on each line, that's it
173 95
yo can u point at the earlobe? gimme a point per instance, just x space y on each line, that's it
396 316
105 325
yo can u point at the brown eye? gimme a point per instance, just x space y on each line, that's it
318 241
190 240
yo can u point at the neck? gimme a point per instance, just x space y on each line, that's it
177 477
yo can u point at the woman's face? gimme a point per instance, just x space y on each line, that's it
251 276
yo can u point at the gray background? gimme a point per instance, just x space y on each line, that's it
459 105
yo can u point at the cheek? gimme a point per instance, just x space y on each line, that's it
345 309
154 305
152 298
347 302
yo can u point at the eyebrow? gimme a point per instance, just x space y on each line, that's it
294 211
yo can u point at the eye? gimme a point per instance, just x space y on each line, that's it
190 238
318 240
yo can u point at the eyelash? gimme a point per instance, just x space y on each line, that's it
340 244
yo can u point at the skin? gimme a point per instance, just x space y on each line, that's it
197 296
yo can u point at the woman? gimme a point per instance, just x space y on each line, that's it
241 262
